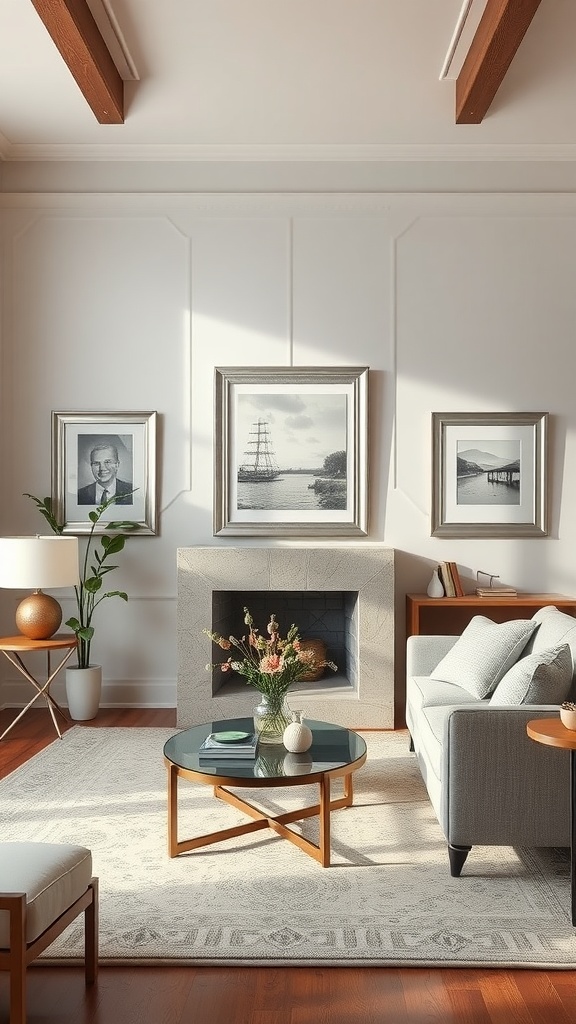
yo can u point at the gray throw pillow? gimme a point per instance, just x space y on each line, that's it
554 628
484 653
540 678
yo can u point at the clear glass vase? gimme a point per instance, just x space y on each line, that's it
271 716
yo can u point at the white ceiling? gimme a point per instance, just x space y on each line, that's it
334 79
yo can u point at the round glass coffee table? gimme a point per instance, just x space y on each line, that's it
335 754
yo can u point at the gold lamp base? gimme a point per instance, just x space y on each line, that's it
38 616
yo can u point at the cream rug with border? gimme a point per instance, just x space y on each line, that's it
388 898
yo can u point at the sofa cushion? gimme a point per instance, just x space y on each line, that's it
543 677
553 628
432 728
484 653
424 692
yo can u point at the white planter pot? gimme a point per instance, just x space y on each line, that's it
83 690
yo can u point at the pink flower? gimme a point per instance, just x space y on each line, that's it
271 663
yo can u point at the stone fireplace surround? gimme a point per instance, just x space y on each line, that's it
356 578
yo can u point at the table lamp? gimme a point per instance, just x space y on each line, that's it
38 562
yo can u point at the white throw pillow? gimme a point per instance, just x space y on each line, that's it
554 628
484 653
544 677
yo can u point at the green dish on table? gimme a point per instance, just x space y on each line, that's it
231 737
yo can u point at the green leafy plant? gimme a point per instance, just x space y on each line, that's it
93 568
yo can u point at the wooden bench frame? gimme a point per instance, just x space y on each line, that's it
20 954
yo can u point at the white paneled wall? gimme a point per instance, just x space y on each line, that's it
126 302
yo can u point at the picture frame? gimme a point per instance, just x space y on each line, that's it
274 430
127 443
489 474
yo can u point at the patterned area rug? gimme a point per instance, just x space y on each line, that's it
388 897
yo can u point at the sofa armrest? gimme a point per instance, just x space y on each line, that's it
500 786
423 653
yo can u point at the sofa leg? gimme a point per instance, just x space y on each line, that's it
457 856
411 745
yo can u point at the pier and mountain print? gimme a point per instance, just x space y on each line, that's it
292 451
488 472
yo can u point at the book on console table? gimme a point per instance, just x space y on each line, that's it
496 592
446 579
238 745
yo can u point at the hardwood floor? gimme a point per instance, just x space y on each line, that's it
272 995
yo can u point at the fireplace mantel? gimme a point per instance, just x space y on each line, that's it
358 576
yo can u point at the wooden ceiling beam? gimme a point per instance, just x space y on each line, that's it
77 37
498 36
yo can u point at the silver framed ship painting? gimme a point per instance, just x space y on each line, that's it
291 451
489 474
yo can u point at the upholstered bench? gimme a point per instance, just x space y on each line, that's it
43 887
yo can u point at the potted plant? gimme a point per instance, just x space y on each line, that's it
84 682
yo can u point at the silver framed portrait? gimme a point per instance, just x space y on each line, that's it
96 456
489 474
291 451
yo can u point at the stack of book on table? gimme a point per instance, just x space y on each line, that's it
232 745
496 592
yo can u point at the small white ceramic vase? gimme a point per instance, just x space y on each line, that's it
297 736
435 588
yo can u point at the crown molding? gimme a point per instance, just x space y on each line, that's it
556 152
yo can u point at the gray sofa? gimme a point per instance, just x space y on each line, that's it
488 782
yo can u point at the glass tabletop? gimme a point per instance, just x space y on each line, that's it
332 747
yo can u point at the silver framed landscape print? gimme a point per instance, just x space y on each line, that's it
96 456
489 474
291 451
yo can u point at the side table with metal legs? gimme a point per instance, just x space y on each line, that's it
14 646
553 733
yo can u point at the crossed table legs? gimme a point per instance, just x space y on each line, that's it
319 852
12 647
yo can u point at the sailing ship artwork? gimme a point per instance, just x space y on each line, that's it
259 464
276 471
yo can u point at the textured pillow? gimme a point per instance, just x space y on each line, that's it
554 628
540 678
484 653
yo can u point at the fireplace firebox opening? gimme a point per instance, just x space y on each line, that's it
331 616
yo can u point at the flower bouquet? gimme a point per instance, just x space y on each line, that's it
270 664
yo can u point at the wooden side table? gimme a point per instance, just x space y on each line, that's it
14 646
552 732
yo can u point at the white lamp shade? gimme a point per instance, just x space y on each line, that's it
38 563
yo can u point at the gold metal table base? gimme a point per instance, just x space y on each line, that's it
319 852
11 646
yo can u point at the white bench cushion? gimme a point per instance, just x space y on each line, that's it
53 876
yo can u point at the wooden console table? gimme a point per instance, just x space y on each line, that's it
433 616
